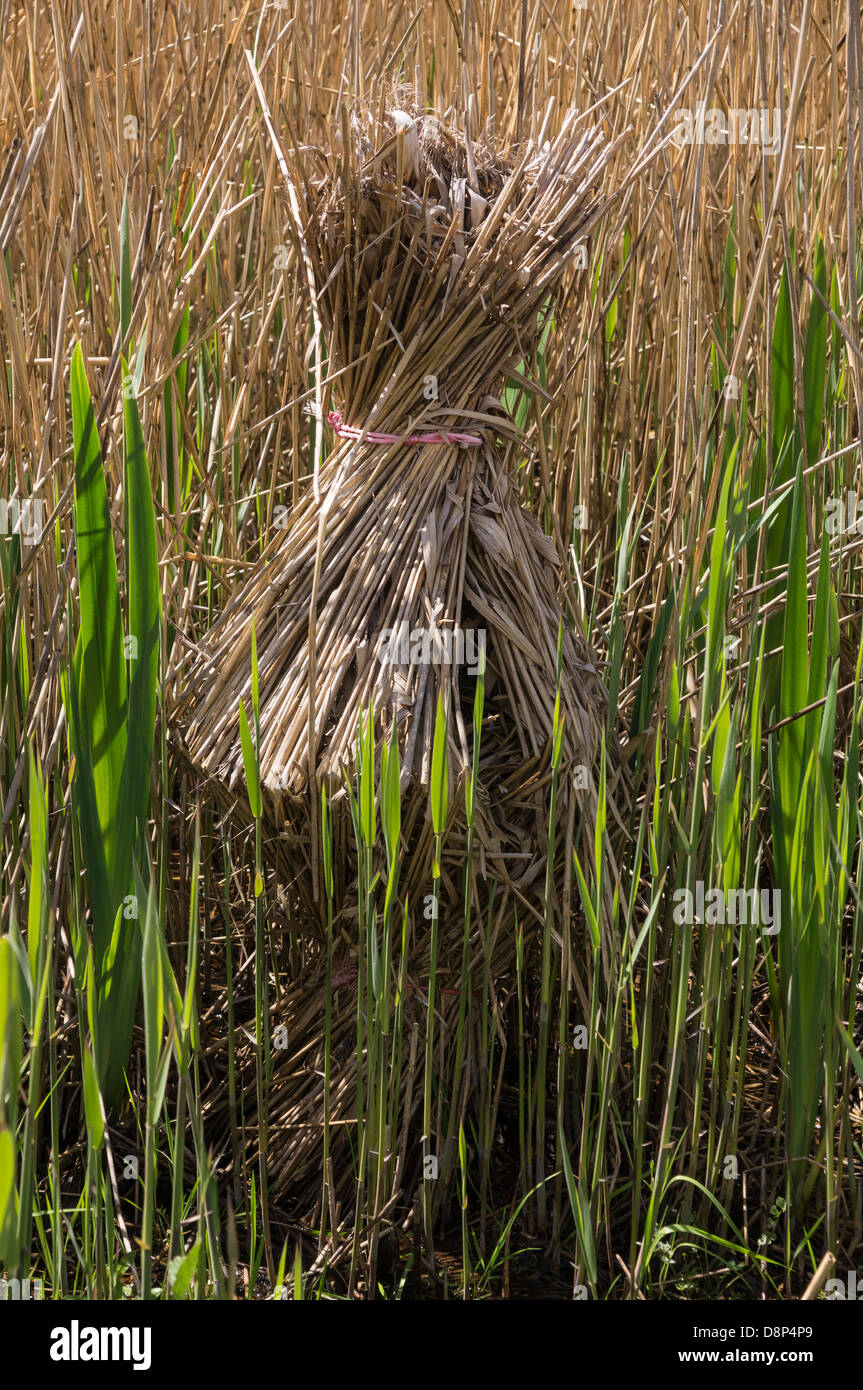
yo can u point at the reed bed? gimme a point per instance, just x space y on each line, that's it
228 1055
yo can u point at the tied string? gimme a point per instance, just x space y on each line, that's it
379 437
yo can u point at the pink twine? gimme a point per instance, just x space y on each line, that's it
378 437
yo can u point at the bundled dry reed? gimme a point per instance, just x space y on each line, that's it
434 258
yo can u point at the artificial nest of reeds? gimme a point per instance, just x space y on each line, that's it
433 261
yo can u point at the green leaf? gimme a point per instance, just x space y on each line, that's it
368 822
154 1001
717 582
8 1201
391 810
327 842
815 358
558 722
118 981
189 1032
820 642
93 1112
145 614
37 905
856 1059
726 824
250 763
580 1212
586 903
809 985
782 368
673 701
600 821
611 320
181 1272
795 665
102 689
279 1289
643 706
10 1024
439 769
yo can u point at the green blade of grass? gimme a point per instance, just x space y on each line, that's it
142 579
102 688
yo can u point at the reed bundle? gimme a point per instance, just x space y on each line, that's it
434 260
